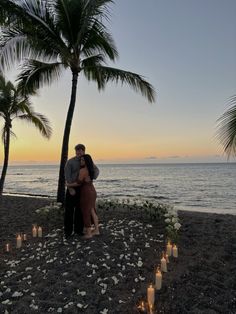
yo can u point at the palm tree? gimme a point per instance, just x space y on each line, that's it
66 34
226 131
15 106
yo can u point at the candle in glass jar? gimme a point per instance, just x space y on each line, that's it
167 258
18 241
151 309
24 237
175 251
34 231
7 248
163 264
142 307
169 248
151 295
158 282
40 232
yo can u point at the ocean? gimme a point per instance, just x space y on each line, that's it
208 187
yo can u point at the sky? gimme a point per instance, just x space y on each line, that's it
187 50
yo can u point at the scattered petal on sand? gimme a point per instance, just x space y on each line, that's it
82 293
115 280
28 268
104 311
79 305
105 265
140 264
17 294
33 306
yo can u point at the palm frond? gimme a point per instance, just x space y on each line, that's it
99 8
92 61
97 39
39 121
226 129
8 12
21 106
18 106
4 133
26 13
102 75
32 34
36 74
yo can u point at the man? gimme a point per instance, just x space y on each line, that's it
73 218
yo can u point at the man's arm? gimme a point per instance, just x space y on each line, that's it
68 172
96 171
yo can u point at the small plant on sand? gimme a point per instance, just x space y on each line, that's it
52 207
154 211
172 224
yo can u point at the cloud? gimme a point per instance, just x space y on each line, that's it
174 156
151 157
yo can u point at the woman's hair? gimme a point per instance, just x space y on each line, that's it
89 164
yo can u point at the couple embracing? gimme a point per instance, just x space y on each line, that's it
80 208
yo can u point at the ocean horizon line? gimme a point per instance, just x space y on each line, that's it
128 163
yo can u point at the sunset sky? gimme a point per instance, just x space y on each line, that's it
187 50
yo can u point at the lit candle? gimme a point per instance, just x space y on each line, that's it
24 237
158 282
40 232
169 248
151 295
142 306
167 258
175 251
151 309
18 241
34 231
163 264
7 247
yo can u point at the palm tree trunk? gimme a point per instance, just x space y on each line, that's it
65 143
6 158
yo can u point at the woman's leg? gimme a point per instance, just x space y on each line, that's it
95 220
87 223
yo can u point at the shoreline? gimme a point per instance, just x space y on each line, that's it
50 273
181 208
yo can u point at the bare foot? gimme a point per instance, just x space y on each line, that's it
95 232
87 236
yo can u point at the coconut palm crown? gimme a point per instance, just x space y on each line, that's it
226 129
56 34
15 106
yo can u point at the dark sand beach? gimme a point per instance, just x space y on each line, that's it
111 272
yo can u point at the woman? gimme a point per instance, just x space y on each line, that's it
87 195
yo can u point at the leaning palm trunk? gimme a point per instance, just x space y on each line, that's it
6 158
65 143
